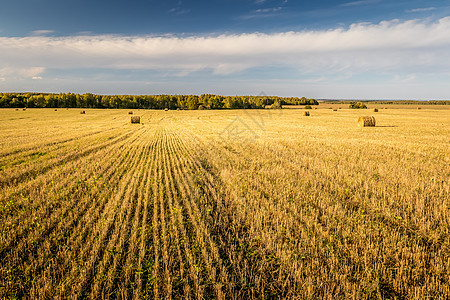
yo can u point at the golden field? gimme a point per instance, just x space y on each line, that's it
226 204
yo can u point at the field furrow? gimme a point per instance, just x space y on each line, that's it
46 231
22 155
105 238
140 273
60 183
199 209
79 231
132 267
178 238
56 190
15 177
153 282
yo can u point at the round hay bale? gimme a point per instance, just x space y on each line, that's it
166 109
17 109
130 112
82 112
56 109
306 113
366 121
135 119
334 109
24 108
375 110
419 108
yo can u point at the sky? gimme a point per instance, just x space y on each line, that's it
323 49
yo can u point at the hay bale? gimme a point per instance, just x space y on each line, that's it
56 109
130 112
135 119
306 113
375 110
166 109
334 109
366 121
82 112
419 108
17 109
24 108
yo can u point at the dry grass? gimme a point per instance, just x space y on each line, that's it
224 204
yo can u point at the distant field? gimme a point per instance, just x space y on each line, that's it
227 204
328 105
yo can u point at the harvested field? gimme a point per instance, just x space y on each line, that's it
224 204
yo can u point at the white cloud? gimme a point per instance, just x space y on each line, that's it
316 80
405 78
267 10
390 46
360 3
423 9
178 10
15 72
42 32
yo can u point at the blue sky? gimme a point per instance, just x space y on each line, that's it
366 49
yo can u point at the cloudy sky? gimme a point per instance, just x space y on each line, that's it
366 49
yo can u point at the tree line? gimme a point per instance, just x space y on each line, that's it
204 101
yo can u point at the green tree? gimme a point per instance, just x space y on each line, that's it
192 102
357 105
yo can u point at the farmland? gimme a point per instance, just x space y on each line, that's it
227 204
